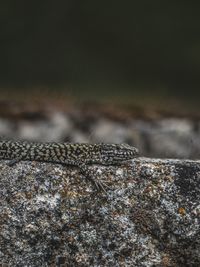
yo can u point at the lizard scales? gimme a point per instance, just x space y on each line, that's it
78 154
67 153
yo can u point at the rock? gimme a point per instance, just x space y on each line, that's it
52 216
57 127
79 137
173 137
6 128
107 131
163 137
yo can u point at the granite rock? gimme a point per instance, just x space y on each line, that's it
52 216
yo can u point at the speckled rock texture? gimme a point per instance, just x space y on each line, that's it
52 216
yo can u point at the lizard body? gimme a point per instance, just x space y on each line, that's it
77 154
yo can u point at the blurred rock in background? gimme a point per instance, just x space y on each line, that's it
156 136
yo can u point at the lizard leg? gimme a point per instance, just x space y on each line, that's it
92 177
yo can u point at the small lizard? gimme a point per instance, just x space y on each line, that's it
78 154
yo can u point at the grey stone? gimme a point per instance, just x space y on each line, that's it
56 128
52 216
6 128
110 132
174 138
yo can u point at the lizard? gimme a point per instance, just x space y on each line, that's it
76 154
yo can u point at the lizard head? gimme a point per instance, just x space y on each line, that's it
116 153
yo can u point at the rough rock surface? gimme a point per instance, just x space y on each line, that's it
52 216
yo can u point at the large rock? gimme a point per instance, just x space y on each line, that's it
52 216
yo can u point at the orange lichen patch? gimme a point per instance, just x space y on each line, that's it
167 261
29 195
182 211
148 189
68 193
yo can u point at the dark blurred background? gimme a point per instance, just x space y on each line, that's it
129 51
